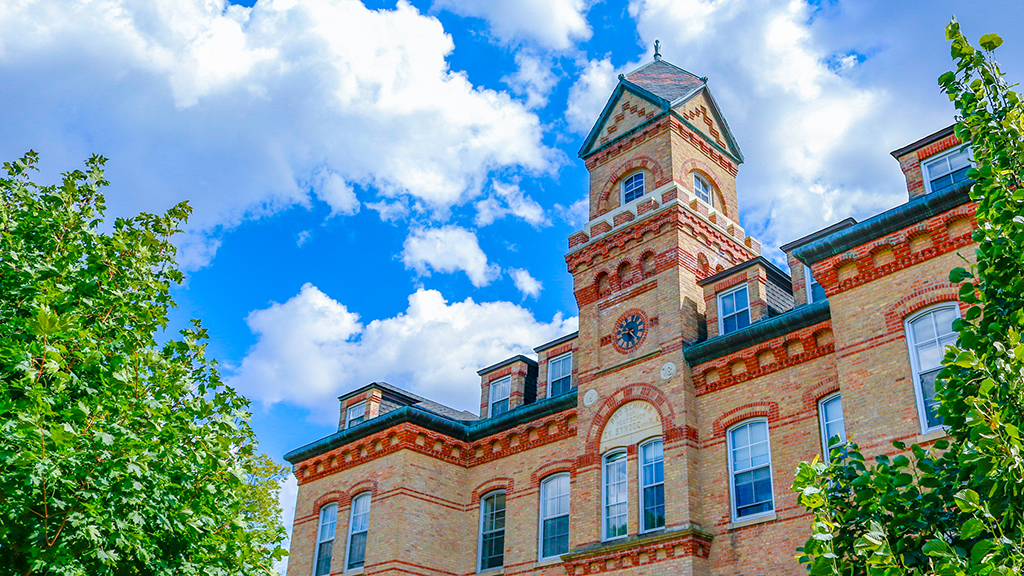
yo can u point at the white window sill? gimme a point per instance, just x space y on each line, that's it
751 521
544 562
930 436
498 570
354 571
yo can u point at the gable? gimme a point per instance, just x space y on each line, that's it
628 112
702 113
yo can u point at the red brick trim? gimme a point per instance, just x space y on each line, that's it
706 172
699 143
767 409
361 486
686 543
630 165
328 497
500 483
643 336
923 295
811 396
551 468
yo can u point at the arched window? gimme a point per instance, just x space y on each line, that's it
358 528
325 539
750 470
702 188
830 415
492 531
928 334
652 486
616 496
633 187
554 516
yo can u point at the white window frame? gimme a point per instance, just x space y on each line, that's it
491 400
319 541
559 358
808 281
922 413
348 414
732 474
721 317
480 534
604 492
706 186
541 517
643 186
936 157
822 423
351 526
641 485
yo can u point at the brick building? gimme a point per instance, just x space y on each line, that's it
662 437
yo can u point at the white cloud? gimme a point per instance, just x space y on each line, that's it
810 133
554 24
303 237
509 199
448 249
312 348
525 283
576 214
589 94
533 78
240 109
331 188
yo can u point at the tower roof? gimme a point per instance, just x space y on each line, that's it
666 81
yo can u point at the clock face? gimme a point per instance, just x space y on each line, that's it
630 330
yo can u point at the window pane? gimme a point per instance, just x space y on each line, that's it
728 304
499 408
357 550
561 386
928 355
556 536
928 393
654 507
493 554
923 328
944 320
323 558
817 292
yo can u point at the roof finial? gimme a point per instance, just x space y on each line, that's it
657 49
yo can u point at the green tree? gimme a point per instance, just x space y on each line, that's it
117 455
958 507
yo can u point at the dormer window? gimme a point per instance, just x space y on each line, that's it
702 188
948 170
633 187
355 414
733 310
815 293
560 375
499 392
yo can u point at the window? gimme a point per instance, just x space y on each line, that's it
702 188
652 486
633 187
560 375
815 293
325 539
750 465
830 413
499 395
554 516
733 310
355 414
492 531
928 334
616 497
948 170
358 527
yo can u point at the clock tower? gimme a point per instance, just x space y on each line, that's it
663 215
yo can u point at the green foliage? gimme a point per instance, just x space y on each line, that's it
117 455
958 507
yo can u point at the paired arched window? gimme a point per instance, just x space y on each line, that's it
750 470
928 334
492 531
554 516
615 490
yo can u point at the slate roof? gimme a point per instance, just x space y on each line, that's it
399 397
665 80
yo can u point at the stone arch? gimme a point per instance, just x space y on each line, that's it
500 483
645 162
811 396
359 487
624 395
550 468
332 496
699 166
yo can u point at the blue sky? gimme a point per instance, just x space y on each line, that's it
384 191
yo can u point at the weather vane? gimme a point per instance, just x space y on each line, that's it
657 49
